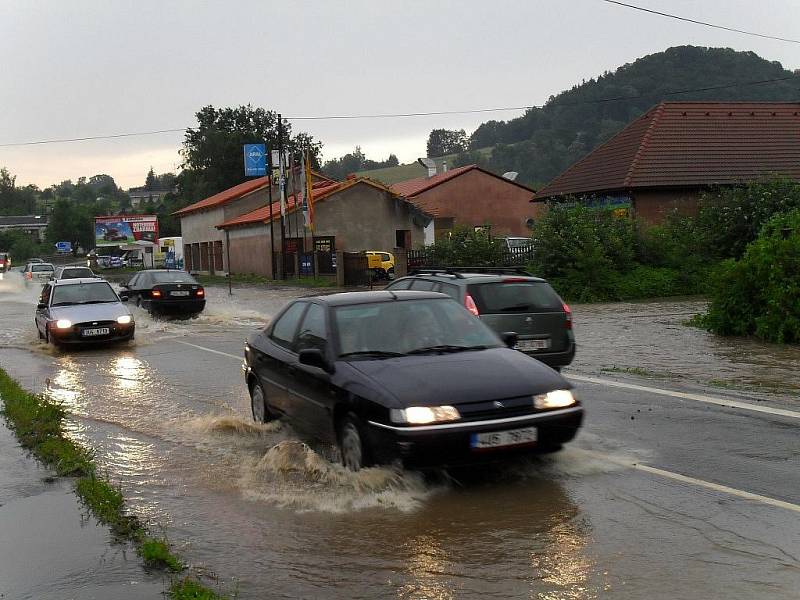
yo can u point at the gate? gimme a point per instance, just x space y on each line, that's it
356 269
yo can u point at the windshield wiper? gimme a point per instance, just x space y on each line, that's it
96 301
373 353
442 348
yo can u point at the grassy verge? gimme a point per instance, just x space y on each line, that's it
37 422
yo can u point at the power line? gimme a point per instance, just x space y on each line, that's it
425 114
696 22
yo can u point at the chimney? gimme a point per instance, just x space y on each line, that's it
429 164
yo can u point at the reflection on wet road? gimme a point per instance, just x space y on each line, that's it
259 504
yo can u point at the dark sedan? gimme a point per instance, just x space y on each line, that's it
165 291
408 375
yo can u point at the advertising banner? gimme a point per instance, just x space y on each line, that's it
125 229
255 160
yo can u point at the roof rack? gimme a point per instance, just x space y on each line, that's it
457 271
436 271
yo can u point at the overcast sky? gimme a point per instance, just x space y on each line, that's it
83 68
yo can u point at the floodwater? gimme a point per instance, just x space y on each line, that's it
275 515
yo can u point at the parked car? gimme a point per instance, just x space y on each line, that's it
405 375
73 273
5 262
381 264
37 272
82 311
506 299
165 291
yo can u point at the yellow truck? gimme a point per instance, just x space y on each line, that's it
381 264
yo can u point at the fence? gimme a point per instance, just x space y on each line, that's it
511 257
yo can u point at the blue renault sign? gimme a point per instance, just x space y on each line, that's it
255 160
64 247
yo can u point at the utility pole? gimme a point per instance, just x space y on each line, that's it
270 181
282 180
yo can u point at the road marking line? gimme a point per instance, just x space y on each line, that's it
233 356
686 396
716 487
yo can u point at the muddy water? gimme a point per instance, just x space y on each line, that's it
652 339
281 518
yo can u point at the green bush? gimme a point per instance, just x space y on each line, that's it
760 294
732 217
465 247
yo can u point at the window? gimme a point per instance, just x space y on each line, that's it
285 327
523 296
312 331
424 285
385 256
172 277
450 290
401 284
133 281
45 297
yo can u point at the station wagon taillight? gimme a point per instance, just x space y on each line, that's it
470 305
568 313
201 292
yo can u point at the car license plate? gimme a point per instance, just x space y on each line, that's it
499 439
533 344
97 331
180 293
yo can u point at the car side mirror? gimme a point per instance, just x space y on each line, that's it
124 296
313 357
41 306
509 338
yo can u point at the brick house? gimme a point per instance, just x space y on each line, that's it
669 156
473 197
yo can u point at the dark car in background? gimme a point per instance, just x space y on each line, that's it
165 291
73 273
507 300
82 311
405 375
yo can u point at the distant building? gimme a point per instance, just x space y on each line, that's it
472 197
669 156
33 225
140 196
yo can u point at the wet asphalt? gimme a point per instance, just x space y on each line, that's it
660 496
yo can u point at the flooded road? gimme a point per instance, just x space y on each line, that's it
275 516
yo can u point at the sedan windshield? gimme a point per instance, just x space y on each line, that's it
84 293
386 329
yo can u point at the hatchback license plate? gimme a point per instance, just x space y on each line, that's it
98 331
499 439
533 344
181 293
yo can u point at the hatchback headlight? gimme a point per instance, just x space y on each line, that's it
554 399
63 324
422 415
124 320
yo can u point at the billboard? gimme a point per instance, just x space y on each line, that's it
125 229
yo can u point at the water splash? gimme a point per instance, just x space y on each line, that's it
232 424
291 474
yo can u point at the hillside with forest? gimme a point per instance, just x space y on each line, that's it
544 141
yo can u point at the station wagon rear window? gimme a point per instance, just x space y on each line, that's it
517 296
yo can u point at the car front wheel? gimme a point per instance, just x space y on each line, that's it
352 445
258 404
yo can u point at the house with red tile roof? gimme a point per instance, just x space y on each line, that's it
668 157
473 197
352 215
202 241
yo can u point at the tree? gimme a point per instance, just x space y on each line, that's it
212 152
150 180
446 141
339 168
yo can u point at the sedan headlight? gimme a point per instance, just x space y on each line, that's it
422 415
124 320
63 324
554 399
